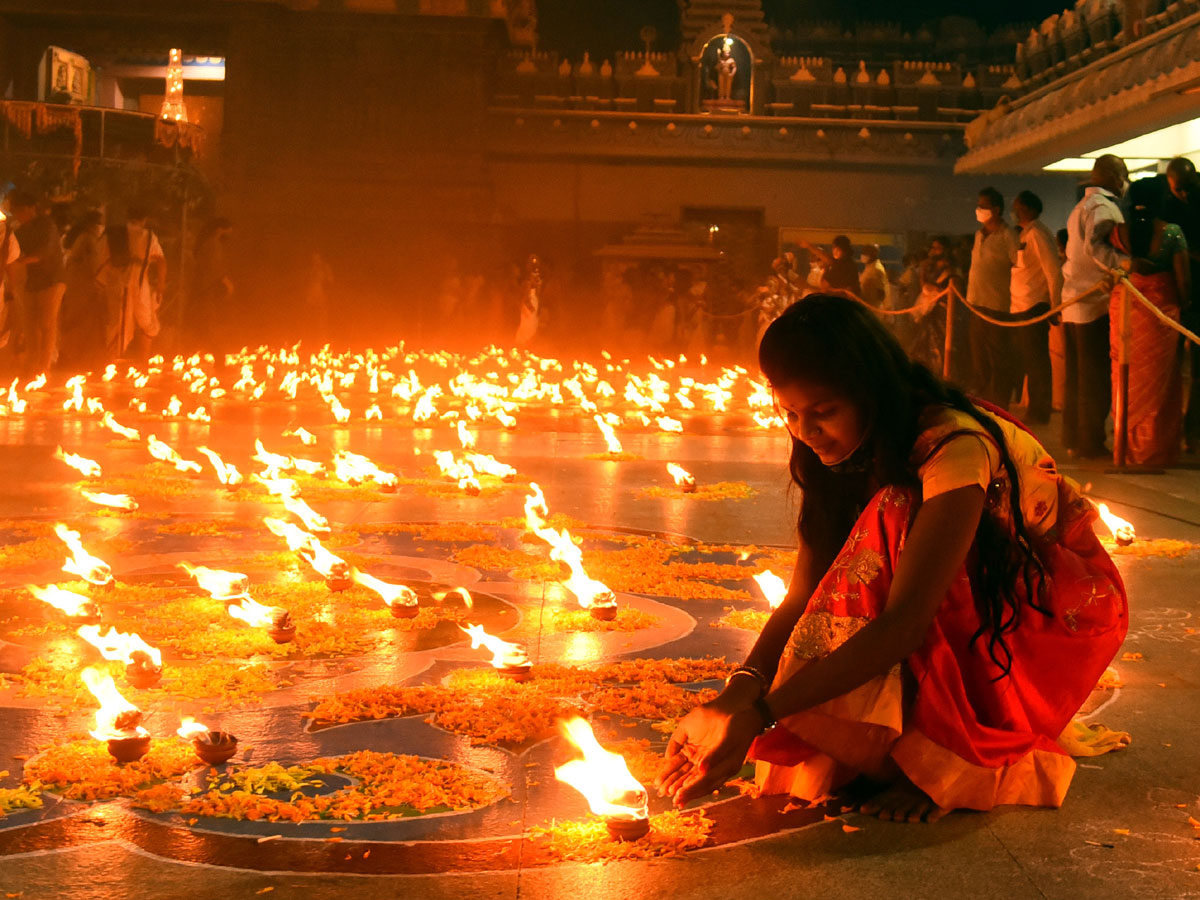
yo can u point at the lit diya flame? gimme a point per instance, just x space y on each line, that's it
1122 529
604 779
461 592
117 719
307 466
114 501
74 605
465 437
37 384
269 459
191 730
355 469
89 468
312 519
143 663
394 595
174 406
489 465
227 473
219 584
303 435
332 568
164 453
297 538
276 619
590 593
773 588
277 486
504 654
117 428
610 436
250 611
683 478
82 564
117 646
666 423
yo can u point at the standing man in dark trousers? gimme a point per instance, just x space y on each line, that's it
1036 287
1091 257
1183 209
988 289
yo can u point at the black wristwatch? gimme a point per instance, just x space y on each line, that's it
761 707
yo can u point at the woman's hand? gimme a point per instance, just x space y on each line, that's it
707 749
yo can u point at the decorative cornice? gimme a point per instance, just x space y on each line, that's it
739 141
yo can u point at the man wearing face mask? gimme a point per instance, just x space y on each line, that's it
988 289
1090 259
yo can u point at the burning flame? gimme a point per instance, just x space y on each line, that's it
681 475
61 599
252 612
305 436
666 423
601 776
312 519
89 468
116 501
504 654
116 718
117 428
355 469
162 452
118 646
326 564
82 564
489 465
221 585
392 594
269 459
610 436
277 486
465 437
189 729
1122 529
773 588
587 591
227 474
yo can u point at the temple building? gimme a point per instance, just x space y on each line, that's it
389 136
1102 77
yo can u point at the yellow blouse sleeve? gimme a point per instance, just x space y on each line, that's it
964 460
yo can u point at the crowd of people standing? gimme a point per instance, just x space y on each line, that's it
1040 315
90 293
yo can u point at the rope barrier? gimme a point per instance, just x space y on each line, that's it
1099 288
1123 279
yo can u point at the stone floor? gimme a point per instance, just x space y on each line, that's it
1123 832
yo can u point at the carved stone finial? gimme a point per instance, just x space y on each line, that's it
727 22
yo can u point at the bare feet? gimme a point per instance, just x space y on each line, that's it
903 802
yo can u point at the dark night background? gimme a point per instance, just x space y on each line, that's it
605 26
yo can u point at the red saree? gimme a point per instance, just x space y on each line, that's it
1155 376
965 737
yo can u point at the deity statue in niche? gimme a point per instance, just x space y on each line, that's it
726 68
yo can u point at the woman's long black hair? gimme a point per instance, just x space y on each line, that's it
837 342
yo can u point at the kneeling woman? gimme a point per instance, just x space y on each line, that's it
951 608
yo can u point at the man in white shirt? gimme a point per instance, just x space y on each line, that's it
992 259
1090 261
1036 287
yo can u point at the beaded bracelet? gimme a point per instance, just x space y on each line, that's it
754 673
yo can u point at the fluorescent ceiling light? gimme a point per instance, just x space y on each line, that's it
1181 139
1085 163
